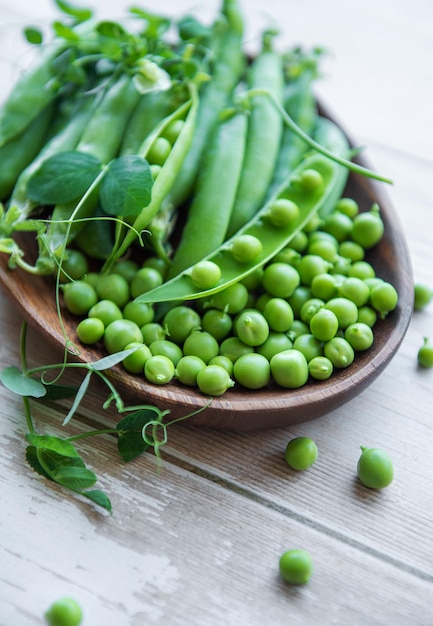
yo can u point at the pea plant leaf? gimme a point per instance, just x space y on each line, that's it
80 14
14 379
33 461
75 478
98 497
107 362
127 186
79 396
130 443
59 392
63 177
55 444
33 35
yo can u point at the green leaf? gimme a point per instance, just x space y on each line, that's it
130 445
75 478
127 186
33 461
138 419
33 35
99 498
63 177
112 359
80 14
19 383
58 445
65 32
80 394
9 246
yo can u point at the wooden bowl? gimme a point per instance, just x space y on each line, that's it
241 409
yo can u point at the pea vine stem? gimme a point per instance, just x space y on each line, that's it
354 167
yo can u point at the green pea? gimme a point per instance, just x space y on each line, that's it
279 314
252 371
214 380
362 270
74 266
233 348
107 311
119 334
280 280
145 279
310 180
283 212
367 315
276 342
223 361
90 330
297 329
151 332
245 248
232 299
375 468
159 151
324 325
309 345
251 327
159 369
296 567
180 321
327 250
423 295
320 368
168 348
359 335
64 612
324 286
355 289
348 206
217 323
299 242
338 224
351 250
368 228
136 361
339 351
298 298
345 310
201 344
289 369
205 274
425 354
301 453
188 368
113 287
79 297
139 312
310 308
310 266
126 268
172 130
384 298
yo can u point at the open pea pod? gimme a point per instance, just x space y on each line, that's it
272 237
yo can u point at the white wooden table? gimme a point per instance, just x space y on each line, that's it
197 541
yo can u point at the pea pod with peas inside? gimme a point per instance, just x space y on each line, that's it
265 128
299 199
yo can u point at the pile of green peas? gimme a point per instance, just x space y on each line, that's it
302 316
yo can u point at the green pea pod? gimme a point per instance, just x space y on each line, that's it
65 139
213 202
101 139
331 136
166 177
265 130
300 104
273 238
151 110
21 149
34 91
215 96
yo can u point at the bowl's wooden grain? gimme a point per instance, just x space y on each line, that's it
242 409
